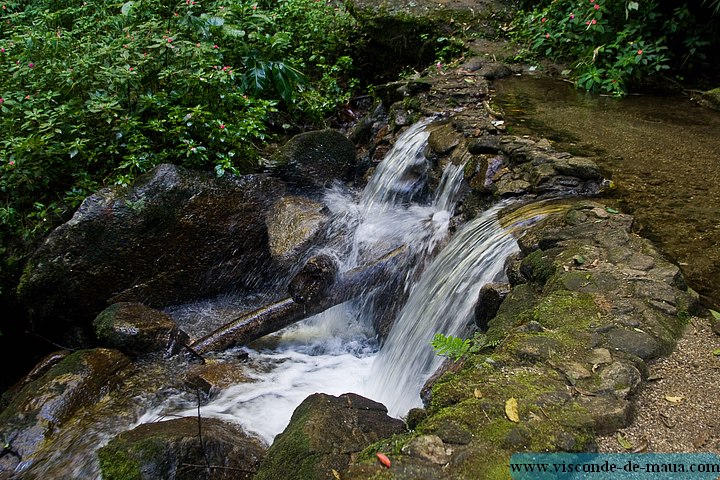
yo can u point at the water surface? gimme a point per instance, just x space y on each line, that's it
662 153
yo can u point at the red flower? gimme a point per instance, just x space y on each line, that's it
547 35
640 52
222 126
593 21
597 7
543 20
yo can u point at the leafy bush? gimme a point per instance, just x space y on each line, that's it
612 44
96 93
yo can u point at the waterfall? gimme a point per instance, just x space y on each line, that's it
442 301
337 351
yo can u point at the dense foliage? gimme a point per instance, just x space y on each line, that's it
94 93
613 44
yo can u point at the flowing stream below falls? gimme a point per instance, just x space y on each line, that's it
337 351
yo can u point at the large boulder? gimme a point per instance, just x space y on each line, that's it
182 449
311 161
46 404
323 435
174 236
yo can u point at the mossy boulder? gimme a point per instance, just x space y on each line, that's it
45 405
323 435
174 236
182 449
136 329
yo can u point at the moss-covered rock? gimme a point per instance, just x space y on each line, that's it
182 449
324 432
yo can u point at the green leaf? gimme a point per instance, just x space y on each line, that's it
215 21
286 78
716 352
611 210
715 314
449 346
127 8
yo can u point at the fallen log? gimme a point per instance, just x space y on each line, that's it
315 289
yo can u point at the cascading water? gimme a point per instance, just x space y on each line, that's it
337 351
442 301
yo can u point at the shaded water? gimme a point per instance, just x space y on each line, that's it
662 152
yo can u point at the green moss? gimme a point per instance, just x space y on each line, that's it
116 463
566 310
388 446
538 266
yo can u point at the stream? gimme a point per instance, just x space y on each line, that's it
662 153
434 290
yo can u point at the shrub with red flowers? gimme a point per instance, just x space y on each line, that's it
95 93
610 45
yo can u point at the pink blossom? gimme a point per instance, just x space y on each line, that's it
31 65
11 162
593 21
572 15
543 20
640 52
215 46
439 65
169 40
547 35
222 126
2 100
2 50
597 7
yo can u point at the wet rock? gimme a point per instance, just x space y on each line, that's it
136 330
182 449
490 297
174 236
488 144
312 161
314 280
323 433
44 405
443 139
293 224
213 376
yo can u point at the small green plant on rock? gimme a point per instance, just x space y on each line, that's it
456 347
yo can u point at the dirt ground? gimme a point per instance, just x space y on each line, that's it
677 408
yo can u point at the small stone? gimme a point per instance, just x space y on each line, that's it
635 343
621 378
428 447
600 356
609 413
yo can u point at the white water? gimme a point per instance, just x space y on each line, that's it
337 352
442 301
